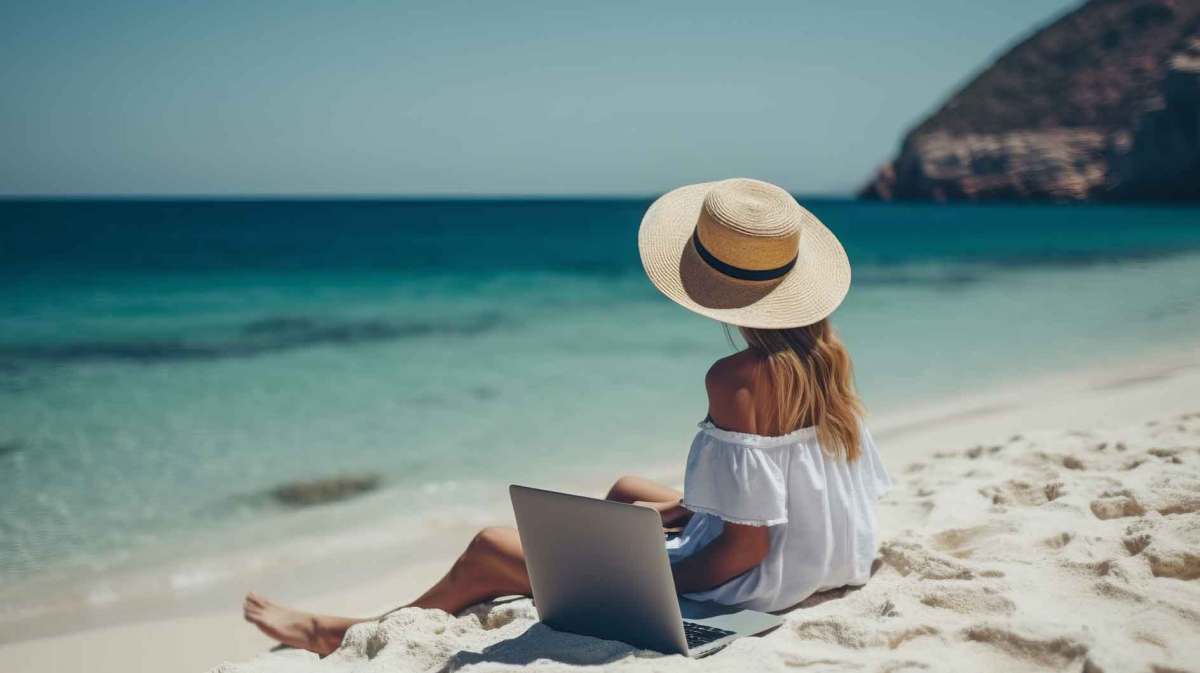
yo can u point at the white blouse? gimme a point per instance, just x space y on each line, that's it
820 511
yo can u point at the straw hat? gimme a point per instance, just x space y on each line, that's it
743 252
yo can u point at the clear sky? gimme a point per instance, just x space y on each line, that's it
444 97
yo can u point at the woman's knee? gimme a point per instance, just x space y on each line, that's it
625 489
497 544
490 558
479 553
488 541
631 488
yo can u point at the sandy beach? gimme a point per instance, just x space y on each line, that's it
291 294
1052 525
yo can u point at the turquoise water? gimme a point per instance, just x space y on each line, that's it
164 365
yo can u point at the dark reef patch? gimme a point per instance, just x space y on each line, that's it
324 491
260 337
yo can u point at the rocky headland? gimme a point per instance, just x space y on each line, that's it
1102 104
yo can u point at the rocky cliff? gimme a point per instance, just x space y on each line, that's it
1104 103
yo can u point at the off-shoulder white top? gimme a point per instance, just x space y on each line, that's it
819 508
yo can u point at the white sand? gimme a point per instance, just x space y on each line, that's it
1052 551
1075 547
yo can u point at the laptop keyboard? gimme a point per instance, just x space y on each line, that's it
699 634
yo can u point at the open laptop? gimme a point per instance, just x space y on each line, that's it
600 568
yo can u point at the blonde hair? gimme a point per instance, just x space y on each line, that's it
811 383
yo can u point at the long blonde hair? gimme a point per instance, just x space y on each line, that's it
811 382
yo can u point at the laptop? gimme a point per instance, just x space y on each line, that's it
600 568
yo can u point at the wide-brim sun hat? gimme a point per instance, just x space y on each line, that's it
743 252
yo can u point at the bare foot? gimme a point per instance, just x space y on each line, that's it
294 628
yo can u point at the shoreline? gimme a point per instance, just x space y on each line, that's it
203 628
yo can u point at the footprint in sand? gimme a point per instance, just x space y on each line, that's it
1054 490
962 542
1073 463
1025 493
968 601
1134 464
1170 546
1116 504
1055 653
1059 541
1180 564
1110 569
1168 495
912 558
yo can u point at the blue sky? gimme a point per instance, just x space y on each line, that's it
476 98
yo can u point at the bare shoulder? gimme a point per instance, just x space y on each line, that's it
730 385
732 371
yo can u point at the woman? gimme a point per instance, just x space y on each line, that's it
781 480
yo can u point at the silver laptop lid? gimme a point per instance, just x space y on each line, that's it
599 568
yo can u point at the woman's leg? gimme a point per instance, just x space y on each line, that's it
632 488
492 565
317 633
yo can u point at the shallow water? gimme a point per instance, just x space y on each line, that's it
165 365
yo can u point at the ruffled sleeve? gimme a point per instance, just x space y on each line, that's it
735 480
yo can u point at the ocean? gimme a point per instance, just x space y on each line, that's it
166 366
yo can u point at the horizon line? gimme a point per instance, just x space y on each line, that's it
283 196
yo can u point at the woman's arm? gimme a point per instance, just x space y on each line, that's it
736 550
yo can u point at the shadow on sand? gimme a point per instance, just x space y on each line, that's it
540 642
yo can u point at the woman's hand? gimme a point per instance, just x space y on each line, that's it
673 513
